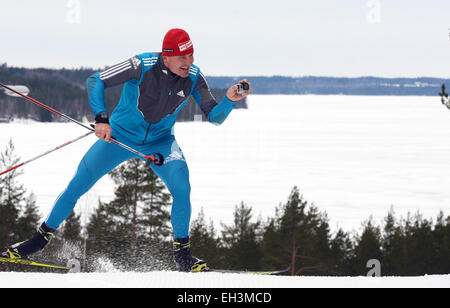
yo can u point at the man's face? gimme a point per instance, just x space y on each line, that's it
179 65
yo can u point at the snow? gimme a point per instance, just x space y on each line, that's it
161 279
352 156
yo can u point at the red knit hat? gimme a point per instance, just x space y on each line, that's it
177 43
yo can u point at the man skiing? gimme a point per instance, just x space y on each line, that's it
156 87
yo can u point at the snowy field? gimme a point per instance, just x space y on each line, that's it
352 156
211 280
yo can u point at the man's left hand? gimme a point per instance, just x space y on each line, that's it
232 94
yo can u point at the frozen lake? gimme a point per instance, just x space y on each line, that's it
352 156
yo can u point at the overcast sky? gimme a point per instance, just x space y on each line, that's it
386 38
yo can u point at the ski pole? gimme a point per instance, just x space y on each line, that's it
157 161
48 152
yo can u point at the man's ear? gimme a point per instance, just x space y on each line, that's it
165 60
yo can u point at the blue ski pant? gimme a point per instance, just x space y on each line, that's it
103 157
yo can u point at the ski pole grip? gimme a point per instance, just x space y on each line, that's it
159 161
93 126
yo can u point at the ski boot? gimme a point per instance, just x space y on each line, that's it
184 261
35 244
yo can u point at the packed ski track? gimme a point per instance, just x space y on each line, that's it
168 279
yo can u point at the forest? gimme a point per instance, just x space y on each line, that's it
133 233
65 91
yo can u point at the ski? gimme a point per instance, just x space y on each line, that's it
71 266
274 272
74 267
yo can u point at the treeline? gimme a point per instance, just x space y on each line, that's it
339 85
65 90
319 85
133 233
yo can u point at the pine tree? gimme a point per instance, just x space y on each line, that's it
29 220
273 251
305 235
19 216
368 247
421 253
123 229
442 244
318 244
242 240
393 242
204 242
342 249
141 192
100 241
12 197
291 221
71 229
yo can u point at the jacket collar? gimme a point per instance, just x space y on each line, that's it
165 71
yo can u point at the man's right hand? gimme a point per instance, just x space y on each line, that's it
103 131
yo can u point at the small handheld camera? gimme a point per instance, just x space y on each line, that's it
243 87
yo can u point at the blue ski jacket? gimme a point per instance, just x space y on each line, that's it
151 97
